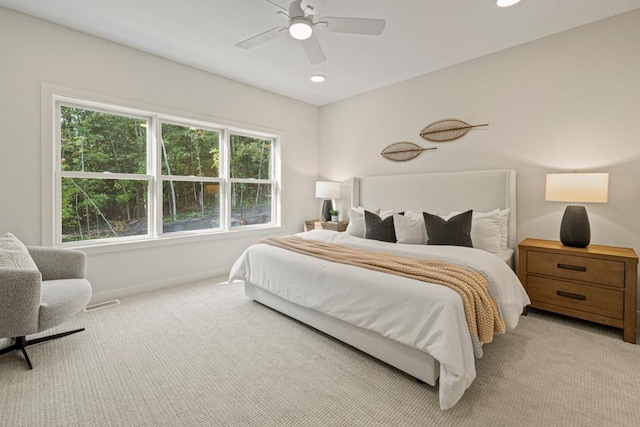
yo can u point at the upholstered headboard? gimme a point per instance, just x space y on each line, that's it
441 193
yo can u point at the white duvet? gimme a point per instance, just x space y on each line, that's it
425 316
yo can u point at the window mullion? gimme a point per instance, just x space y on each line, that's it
276 190
104 175
189 178
57 168
252 181
225 204
156 166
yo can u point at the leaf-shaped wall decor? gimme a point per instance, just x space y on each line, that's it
403 151
447 130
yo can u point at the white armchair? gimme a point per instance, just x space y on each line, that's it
39 288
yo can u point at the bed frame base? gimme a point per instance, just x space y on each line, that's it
410 360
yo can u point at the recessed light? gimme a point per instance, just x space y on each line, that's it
318 78
506 3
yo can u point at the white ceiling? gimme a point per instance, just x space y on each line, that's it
420 36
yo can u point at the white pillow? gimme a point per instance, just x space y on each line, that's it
410 228
485 230
14 254
503 217
356 226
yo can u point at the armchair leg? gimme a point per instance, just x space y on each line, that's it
21 343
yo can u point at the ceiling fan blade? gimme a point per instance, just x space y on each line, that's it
313 49
277 5
373 27
261 38
311 7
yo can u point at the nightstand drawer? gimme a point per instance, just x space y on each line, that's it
590 299
592 270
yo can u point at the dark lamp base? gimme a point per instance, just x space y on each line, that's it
326 210
574 229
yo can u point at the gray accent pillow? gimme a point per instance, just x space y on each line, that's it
455 232
14 254
378 228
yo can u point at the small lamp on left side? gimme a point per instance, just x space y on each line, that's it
327 190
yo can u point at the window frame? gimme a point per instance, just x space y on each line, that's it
272 181
54 97
161 178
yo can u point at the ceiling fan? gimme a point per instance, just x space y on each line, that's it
302 26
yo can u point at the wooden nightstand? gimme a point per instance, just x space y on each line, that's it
596 283
318 224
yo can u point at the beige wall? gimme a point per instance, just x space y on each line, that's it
34 52
567 102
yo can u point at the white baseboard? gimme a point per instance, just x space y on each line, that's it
152 286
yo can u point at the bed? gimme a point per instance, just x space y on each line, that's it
416 327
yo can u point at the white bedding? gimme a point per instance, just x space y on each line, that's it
424 316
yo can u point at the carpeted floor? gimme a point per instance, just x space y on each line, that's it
204 355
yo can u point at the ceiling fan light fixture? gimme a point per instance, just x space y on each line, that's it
300 28
318 78
506 3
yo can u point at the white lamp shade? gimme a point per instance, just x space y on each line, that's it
327 190
577 187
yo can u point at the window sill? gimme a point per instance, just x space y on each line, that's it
168 240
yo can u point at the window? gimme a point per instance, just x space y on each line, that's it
190 180
125 174
251 180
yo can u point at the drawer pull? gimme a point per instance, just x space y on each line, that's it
572 267
570 295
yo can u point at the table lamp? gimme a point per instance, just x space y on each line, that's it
327 190
576 188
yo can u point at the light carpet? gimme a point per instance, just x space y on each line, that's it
204 355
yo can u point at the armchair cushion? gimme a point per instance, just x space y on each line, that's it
62 299
58 263
19 301
14 254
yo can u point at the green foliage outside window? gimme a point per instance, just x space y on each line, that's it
250 158
99 142
189 151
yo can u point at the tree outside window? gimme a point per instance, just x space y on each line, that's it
128 175
251 180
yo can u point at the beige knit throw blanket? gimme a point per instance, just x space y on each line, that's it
480 309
